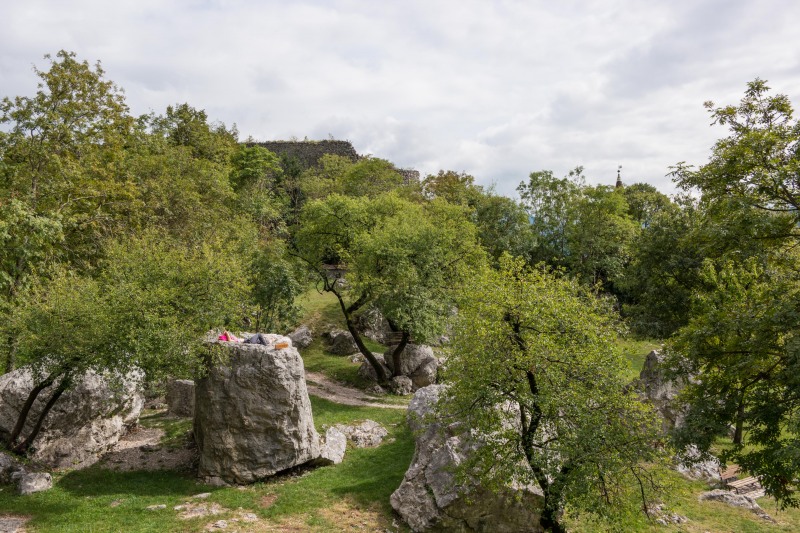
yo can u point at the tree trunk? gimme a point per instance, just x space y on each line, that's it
738 433
26 409
398 351
347 311
22 447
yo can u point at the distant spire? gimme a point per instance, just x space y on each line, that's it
619 179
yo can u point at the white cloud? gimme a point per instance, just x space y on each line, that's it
496 89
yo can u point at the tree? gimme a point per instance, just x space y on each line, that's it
149 308
542 347
742 345
741 338
759 162
403 256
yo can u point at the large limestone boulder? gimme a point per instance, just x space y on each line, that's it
180 398
661 391
85 422
429 497
340 342
417 362
253 416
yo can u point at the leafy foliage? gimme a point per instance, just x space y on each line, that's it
535 371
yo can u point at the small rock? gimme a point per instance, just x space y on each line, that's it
34 482
368 434
340 342
220 524
201 496
401 385
249 517
332 448
115 503
156 507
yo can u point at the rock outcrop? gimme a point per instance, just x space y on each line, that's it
429 497
253 416
661 391
736 500
301 337
417 362
85 422
401 385
340 342
691 465
180 398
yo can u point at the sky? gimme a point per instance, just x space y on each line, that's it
497 89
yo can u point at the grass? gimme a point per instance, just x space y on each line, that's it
332 498
176 430
635 351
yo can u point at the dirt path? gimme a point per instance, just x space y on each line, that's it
322 386
140 449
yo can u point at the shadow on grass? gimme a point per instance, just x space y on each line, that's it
98 481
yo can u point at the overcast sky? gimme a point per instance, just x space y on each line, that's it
496 89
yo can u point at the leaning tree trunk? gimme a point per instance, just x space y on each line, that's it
22 447
22 418
347 311
398 352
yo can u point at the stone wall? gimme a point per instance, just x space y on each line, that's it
308 153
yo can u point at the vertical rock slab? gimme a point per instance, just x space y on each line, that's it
253 416
180 397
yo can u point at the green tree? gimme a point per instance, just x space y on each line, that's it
149 308
740 340
542 347
404 256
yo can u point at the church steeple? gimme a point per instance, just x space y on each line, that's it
619 179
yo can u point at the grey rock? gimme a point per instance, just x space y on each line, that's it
8 467
429 497
692 465
661 392
375 390
13 524
253 416
340 342
157 507
85 422
28 483
301 337
735 500
367 434
401 385
367 371
332 448
373 325
418 362
180 398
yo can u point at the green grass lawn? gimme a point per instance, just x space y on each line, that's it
322 499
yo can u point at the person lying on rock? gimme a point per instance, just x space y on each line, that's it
229 337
